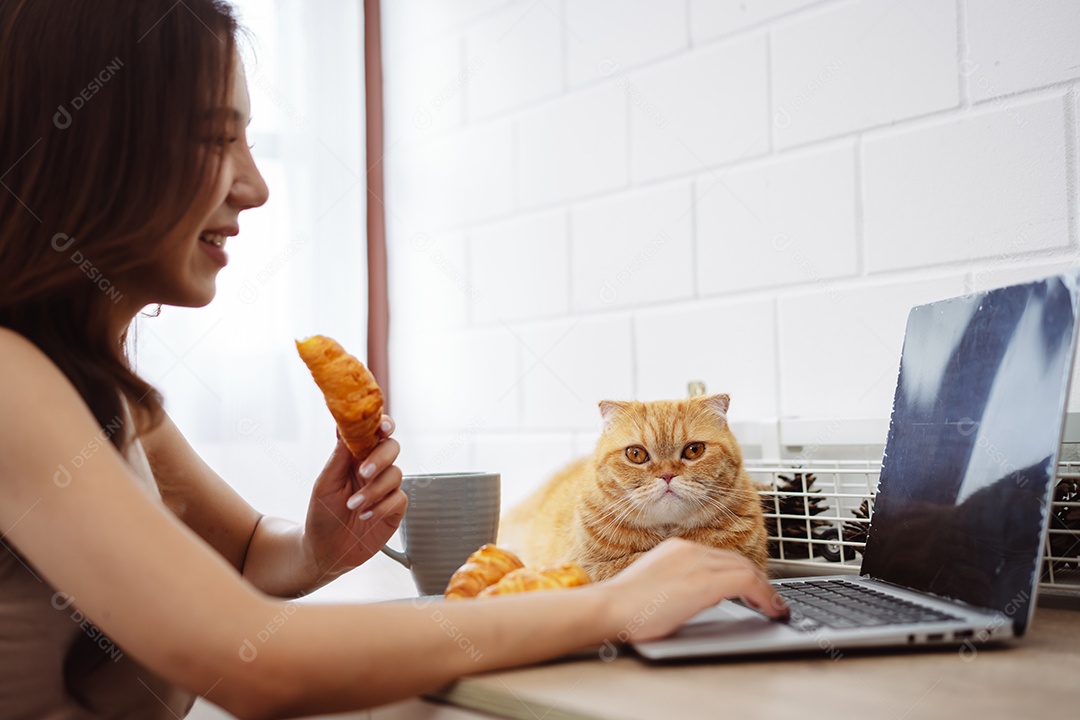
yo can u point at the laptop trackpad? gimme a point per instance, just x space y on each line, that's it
729 620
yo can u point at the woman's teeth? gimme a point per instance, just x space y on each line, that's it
215 239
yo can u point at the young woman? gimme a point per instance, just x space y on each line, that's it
132 578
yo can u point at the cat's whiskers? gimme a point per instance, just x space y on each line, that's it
605 525
705 500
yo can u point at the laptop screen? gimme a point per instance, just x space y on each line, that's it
973 443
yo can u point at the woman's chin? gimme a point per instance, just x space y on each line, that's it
191 297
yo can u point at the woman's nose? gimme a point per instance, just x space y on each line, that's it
249 189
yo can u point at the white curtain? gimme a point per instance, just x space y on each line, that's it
230 373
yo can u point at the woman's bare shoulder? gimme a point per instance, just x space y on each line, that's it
31 383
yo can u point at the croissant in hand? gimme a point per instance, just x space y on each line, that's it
350 391
484 567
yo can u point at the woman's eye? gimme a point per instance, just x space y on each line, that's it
693 451
636 454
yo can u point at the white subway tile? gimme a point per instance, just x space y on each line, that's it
429 283
520 269
704 108
862 65
839 352
435 452
633 249
585 441
603 34
424 86
731 347
427 365
488 386
986 184
1017 46
524 462
569 366
572 147
713 18
516 56
422 21
784 221
449 380
461 177
998 272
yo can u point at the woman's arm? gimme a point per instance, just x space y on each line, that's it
173 603
281 557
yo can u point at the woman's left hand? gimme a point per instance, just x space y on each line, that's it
356 505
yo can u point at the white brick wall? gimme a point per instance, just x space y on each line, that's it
984 184
572 147
1012 47
602 32
859 65
697 110
516 53
595 199
632 249
781 222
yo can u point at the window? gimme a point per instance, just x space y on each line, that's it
230 373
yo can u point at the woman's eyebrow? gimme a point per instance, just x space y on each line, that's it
231 113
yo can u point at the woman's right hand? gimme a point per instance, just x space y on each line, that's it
677 579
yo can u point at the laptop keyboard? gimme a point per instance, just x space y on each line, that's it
841 604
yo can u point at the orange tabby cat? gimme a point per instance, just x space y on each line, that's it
660 469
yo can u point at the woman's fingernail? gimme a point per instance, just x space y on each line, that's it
386 426
355 501
367 470
365 515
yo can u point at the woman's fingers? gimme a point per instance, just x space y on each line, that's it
390 507
692 577
373 492
386 429
382 457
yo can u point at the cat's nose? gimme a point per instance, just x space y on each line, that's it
666 477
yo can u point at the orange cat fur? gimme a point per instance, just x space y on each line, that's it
660 469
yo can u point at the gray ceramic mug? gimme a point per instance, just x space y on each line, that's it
450 515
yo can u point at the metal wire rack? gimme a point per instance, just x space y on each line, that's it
817 513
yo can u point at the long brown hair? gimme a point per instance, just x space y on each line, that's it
103 106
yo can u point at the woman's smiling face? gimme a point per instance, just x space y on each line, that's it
194 253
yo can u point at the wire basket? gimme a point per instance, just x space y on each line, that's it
817 513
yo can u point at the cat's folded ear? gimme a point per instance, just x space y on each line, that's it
719 403
608 410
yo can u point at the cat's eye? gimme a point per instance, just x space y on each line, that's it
693 451
636 454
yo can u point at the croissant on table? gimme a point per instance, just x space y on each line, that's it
484 567
350 391
567 575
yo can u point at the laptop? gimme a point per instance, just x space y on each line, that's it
962 509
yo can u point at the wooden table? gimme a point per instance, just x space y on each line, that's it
1038 676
